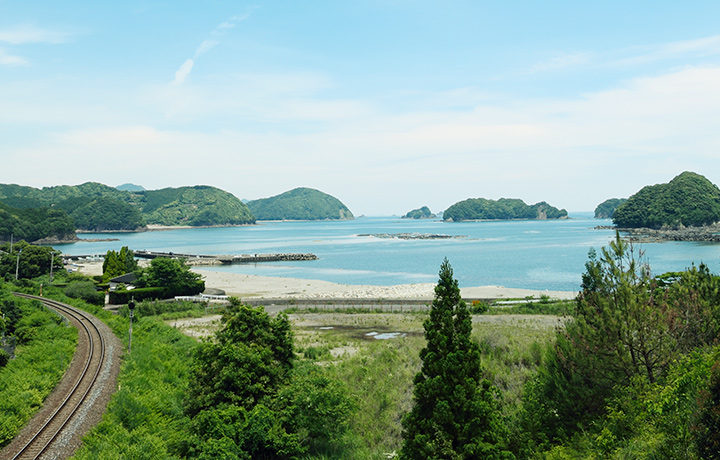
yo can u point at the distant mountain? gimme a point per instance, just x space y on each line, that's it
606 209
96 207
300 204
420 213
687 200
130 188
504 208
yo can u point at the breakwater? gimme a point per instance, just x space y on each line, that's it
202 259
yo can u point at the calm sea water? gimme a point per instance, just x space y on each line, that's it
523 254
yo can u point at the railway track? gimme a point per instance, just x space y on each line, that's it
53 429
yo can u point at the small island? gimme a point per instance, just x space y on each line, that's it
420 213
300 204
685 209
606 209
502 209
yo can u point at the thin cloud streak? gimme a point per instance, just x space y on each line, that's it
11 60
28 33
206 45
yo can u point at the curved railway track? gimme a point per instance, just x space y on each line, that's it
91 352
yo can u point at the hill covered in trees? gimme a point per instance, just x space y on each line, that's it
97 207
420 213
300 204
606 209
33 224
687 200
504 208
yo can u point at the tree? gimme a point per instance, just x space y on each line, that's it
119 263
34 260
172 274
455 410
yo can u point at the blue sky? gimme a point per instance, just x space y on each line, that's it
388 105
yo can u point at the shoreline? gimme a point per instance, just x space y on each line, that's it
271 287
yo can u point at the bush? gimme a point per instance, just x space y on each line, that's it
86 291
123 296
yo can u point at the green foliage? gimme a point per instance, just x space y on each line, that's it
34 260
504 208
455 412
606 209
86 291
119 263
145 417
96 206
687 200
122 296
707 431
46 346
198 205
101 213
249 359
34 224
420 213
173 275
155 307
300 204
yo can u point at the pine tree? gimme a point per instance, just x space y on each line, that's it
455 414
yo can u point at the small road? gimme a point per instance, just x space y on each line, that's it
79 400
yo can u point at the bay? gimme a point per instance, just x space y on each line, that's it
520 254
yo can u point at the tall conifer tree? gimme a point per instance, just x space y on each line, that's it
455 412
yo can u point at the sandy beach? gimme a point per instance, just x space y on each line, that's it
270 287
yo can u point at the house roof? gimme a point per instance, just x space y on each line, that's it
126 278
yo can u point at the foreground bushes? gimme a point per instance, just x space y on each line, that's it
45 347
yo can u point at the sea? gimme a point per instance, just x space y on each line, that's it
531 254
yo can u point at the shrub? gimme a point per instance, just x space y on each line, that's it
86 291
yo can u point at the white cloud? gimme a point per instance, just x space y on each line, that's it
28 33
182 73
562 62
9 59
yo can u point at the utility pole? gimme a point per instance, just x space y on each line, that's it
17 265
131 307
52 262
11 242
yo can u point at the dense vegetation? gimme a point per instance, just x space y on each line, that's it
45 346
196 206
94 207
687 200
455 411
420 213
606 209
118 263
32 224
300 204
27 260
164 278
504 208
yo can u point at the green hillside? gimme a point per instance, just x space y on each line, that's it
504 208
688 200
198 205
606 209
33 224
300 204
96 207
420 213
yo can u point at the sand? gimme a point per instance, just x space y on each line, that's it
270 287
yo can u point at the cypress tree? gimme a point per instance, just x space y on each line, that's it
455 412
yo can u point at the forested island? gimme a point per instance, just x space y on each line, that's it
300 204
502 209
420 213
688 200
606 209
56 212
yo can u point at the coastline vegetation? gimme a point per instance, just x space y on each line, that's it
504 208
606 209
300 204
687 200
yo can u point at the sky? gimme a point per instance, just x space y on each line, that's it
387 105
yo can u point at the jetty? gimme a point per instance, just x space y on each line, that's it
203 259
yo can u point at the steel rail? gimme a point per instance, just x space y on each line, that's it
54 418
